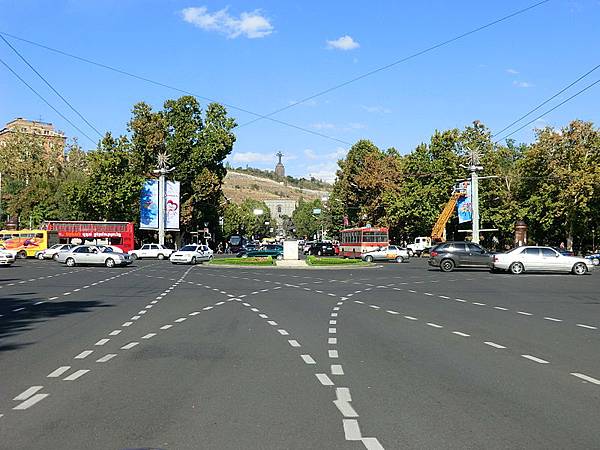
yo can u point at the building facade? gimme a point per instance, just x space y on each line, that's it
52 139
280 208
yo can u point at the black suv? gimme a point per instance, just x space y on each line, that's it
321 249
449 255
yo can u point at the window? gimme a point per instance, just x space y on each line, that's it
531 252
474 248
145 247
457 248
154 247
549 253
81 250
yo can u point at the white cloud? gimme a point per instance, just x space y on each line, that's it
512 71
252 157
310 154
337 154
377 109
324 172
343 43
249 24
522 84
323 126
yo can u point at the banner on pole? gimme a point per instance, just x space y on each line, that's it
464 206
149 206
172 206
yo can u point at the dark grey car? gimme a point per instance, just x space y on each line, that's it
450 255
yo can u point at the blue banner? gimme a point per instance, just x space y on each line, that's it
464 206
149 206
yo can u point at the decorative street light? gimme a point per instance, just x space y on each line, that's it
162 170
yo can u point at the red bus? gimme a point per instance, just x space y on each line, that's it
119 234
355 241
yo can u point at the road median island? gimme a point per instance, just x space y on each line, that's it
268 261
324 261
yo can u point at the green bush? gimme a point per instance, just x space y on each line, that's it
320 261
268 261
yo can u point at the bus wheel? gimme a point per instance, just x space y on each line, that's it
22 254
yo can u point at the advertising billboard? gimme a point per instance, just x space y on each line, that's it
149 206
172 206
464 206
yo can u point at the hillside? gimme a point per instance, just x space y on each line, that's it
239 186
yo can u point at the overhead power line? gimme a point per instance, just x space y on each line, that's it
174 88
545 102
399 61
551 109
46 101
50 86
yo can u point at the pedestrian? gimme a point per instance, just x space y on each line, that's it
562 245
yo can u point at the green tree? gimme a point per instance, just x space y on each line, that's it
305 221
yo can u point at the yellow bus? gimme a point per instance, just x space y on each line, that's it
27 242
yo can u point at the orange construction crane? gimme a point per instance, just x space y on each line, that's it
438 234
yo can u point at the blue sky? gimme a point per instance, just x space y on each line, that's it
263 55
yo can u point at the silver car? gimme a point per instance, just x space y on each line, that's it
92 255
389 253
538 259
192 254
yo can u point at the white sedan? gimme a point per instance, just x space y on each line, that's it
389 253
192 254
539 259
151 251
7 257
50 252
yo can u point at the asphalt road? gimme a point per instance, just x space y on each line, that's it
204 357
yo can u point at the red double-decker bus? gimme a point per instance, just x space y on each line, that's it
356 241
119 234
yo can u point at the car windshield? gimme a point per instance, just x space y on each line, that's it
189 248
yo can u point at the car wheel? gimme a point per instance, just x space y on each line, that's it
399 259
410 253
595 261
40 256
447 265
193 261
109 263
516 268
319 253
369 259
579 269
55 257
161 256
134 256
22 254
70 262
280 257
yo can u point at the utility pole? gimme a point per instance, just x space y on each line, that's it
162 171
475 167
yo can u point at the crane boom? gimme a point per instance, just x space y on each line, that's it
437 234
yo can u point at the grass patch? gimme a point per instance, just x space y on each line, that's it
268 261
324 261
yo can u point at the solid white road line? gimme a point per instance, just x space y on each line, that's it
324 379
106 357
523 313
589 327
32 401
410 318
500 308
332 341
75 375
493 344
294 343
585 377
537 360
459 333
102 341
308 359
84 354
272 322
333 353
553 319
351 430
336 369
27 393
58 372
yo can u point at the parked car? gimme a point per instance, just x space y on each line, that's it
307 246
7 257
321 249
191 254
449 255
538 259
92 255
50 252
151 251
389 253
273 250
594 258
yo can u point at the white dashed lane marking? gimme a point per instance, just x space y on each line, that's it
106 357
308 359
58 372
493 344
31 401
324 379
535 359
589 379
76 374
28 393
84 354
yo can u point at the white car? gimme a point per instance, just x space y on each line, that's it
50 252
7 257
389 253
151 251
92 255
538 259
192 254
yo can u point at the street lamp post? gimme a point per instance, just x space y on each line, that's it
162 171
